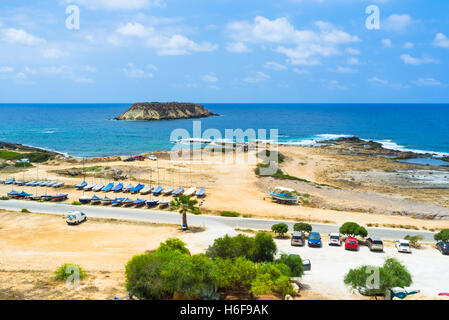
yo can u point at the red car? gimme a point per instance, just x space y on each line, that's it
351 244
140 158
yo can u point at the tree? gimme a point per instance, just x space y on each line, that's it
272 277
70 270
443 235
280 229
264 247
301 226
294 262
185 205
174 244
414 240
353 229
391 274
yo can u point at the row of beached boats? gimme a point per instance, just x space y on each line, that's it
53 184
46 197
140 189
125 202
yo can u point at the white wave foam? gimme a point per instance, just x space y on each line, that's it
391 145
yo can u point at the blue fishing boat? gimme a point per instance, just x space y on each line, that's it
284 195
201 193
128 202
59 197
42 183
95 200
157 191
118 188
117 202
128 188
23 194
106 201
10 181
84 200
152 203
178 191
108 187
139 203
13 194
137 188
30 183
46 197
58 185
164 203
19 183
81 185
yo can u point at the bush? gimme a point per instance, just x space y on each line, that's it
271 277
4 198
304 227
391 274
280 229
353 229
174 244
76 203
25 210
234 274
414 240
443 235
294 262
229 214
22 165
260 248
68 269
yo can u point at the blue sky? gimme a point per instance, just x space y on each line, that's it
224 51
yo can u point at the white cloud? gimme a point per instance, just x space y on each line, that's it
387 43
131 71
209 78
302 47
385 83
300 71
271 65
341 69
408 59
353 51
53 53
409 45
258 77
118 5
353 61
441 41
237 47
20 36
397 22
427 82
163 43
333 84
377 81
6 69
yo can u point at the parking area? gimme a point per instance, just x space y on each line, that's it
330 264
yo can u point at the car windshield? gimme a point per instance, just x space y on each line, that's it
296 237
404 244
335 238
71 216
377 242
351 242
314 237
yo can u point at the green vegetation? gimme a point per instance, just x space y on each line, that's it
37 157
185 205
392 274
3 165
304 227
69 269
76 203
414 241
24 210
443 235
4 198
294 262
280 229
22 165
353 229
93 168
170 272
279 174
229 214
280 156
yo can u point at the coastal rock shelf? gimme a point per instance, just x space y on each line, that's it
165 111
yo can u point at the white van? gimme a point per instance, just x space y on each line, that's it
74 218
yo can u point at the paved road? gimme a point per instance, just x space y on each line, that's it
156 216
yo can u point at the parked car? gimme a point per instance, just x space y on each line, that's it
375 244
140 158
74 218
443 247
334 239
152 157
403 246
314 240
351 243
307 265
129 159
298 239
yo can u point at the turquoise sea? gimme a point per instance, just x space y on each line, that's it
88 129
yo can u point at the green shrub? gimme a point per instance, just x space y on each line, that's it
294 262
68 269
76 203
353 229
229 214
4 198
443 235
271 277
301 226
22 165
280 229
24 210
414 240
264 247
174 244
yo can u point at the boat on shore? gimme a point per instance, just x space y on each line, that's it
283 195
157 191
81 185
117 202
84 199
89 187
178 191
59 197
59 185
164 203
152 203
24 195
189 192
201 193
128 202
95 200
13 194
117 188
168 191
106 201
146 190
128 187
108 187
139 203
10 181
137 188
98 187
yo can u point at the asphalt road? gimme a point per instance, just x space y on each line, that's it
156 216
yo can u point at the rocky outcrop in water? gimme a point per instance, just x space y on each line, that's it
165 111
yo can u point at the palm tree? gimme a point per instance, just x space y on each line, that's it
185 205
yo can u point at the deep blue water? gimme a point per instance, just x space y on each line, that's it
87 129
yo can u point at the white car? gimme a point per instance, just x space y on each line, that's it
403 246
334 239
74 218
152 157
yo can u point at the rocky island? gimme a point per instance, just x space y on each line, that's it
151 111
